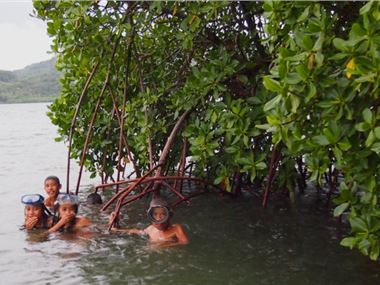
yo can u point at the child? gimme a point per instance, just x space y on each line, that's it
52 185
35 213
67 209
161 230
94 198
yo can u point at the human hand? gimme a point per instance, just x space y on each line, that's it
30 223
65 219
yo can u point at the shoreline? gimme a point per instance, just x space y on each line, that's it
26 102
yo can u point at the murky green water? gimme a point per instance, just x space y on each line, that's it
232 241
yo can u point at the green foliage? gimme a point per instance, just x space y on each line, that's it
253 74
327 87
185 58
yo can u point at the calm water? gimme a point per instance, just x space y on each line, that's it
233 241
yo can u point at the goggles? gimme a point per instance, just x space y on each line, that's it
67 198
32 199
163 216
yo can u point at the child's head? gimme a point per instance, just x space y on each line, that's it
94 198
159 213
52 185
67 204
34 206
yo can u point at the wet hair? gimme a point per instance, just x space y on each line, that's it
45 216
54 178
94 198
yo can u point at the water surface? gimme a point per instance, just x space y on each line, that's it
233 241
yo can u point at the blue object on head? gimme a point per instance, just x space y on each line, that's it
67 199
32 199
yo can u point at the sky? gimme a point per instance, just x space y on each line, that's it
23 39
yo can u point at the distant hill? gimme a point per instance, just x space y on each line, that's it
38 82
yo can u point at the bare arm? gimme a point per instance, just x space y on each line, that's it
61 223
181 235
123 230
82 222
129 231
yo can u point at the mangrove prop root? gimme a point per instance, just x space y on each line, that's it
275 160
124 198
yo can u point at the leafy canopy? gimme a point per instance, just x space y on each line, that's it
256 76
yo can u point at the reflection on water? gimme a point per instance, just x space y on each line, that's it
232 241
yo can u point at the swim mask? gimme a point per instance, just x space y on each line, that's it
67 198
32 199
158 202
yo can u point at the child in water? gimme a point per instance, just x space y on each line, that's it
52 185
161 230
67 209
35 213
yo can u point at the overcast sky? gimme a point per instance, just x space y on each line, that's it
23 39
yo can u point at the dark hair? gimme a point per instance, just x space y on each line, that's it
94 198
52 177
45 217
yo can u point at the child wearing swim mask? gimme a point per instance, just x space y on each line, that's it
67 209
52 185
161 230
36 216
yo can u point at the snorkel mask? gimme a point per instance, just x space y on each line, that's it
35 200
158 203
32 199
67 199
63 198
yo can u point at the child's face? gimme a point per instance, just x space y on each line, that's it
159 214
33 211
52 187
66 209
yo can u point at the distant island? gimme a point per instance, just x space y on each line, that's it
38 82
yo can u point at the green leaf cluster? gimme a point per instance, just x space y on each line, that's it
304 75
325 81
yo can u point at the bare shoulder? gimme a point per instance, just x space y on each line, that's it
148 229
180 233
177 227
82 222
